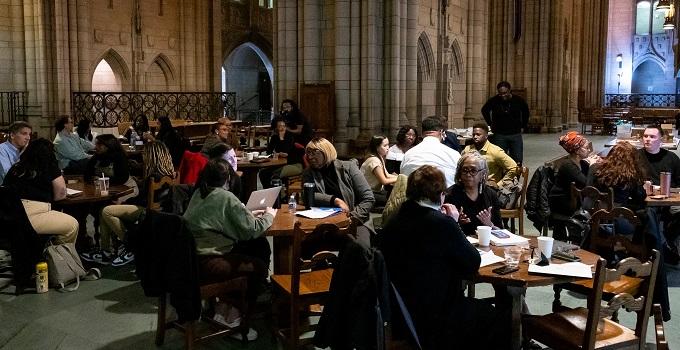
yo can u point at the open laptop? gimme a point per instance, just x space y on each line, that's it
263 198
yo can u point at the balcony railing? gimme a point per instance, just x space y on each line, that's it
107 109
641 100
12 106
255 116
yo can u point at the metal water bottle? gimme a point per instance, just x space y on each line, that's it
41 277
665 182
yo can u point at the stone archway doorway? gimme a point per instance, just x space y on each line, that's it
250 73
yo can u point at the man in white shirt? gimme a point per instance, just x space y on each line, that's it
431 151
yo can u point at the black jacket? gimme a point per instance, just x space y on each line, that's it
165 254
358 303
537 205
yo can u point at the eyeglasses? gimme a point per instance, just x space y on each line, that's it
313 152
469 171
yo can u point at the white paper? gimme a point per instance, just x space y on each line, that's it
71 192
575 269
513 239
472 240
489 258
319 213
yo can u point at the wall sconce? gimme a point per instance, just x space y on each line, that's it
669 13
663 5
619 59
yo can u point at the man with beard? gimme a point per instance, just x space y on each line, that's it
508 115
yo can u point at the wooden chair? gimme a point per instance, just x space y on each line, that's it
310 278
589 199
591 117
518 211
590 328
154 185
661 343
237 286
608 245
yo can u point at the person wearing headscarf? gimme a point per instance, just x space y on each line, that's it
569 169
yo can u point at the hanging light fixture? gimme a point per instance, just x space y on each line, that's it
663 5
668 23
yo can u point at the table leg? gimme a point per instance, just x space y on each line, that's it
517 294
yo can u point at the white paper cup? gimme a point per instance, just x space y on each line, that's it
484 235
250 156
545 245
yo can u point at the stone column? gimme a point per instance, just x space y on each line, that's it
593 51
354 118
476 80
311 43
411 78
392 68
342 71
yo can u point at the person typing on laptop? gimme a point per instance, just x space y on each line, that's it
230 240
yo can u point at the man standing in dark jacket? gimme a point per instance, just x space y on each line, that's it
508 115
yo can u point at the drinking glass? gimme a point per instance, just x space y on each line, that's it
512 256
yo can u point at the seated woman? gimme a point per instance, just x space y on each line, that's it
476 201
233 184
219 133
141 126
115 218
282 142
374 169
338 183
569 170
172 139
621 170
428 257
37 180
229 238
406 138
110 160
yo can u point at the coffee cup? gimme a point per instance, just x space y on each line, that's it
545 245
484 235
250 156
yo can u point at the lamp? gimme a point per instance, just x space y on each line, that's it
663 5
668 23
619 59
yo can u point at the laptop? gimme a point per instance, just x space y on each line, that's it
263 198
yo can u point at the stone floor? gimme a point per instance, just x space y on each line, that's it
113 313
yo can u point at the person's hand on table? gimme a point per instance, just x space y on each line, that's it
270 210
341 204
283 154
450 210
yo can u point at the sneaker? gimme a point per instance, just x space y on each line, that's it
252 335
97 256
123 258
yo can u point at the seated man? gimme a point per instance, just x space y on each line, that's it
219 133
70 149
502 168
19 136
431 151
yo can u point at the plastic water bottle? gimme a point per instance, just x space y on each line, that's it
133 139
292 204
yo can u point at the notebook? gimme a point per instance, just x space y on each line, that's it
263 198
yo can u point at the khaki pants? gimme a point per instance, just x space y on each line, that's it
46 221
113 220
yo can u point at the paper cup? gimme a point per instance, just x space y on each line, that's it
250 156
545 245
484 235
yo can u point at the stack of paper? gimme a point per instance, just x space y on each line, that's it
71 192
575 269
511 238
489 258
319 213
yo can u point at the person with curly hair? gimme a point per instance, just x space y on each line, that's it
621 170
407 137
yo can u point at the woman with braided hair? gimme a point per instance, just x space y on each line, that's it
114 218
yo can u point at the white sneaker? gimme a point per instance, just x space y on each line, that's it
252 335
233 324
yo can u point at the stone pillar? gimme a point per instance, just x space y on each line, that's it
342 70
311 44
476 80
411 79
286 50
593 51
354 118
392 67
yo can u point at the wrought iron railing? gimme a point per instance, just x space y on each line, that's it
641 100
12 106
106 109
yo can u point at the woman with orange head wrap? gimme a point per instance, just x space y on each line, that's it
569 169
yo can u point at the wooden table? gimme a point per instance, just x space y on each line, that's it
282 232
518 282
673 200
81 204
250 170
638 143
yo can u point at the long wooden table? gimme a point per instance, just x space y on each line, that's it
518 282
282 232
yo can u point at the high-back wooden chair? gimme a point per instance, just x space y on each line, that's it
590 328
591 199
308 283
609 245
661 343
518 209
153 185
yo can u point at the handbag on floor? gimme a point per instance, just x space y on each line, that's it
64 267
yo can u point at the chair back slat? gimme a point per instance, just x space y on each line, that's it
153 185
612 242
591 199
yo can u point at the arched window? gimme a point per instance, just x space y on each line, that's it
642 17
657 20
